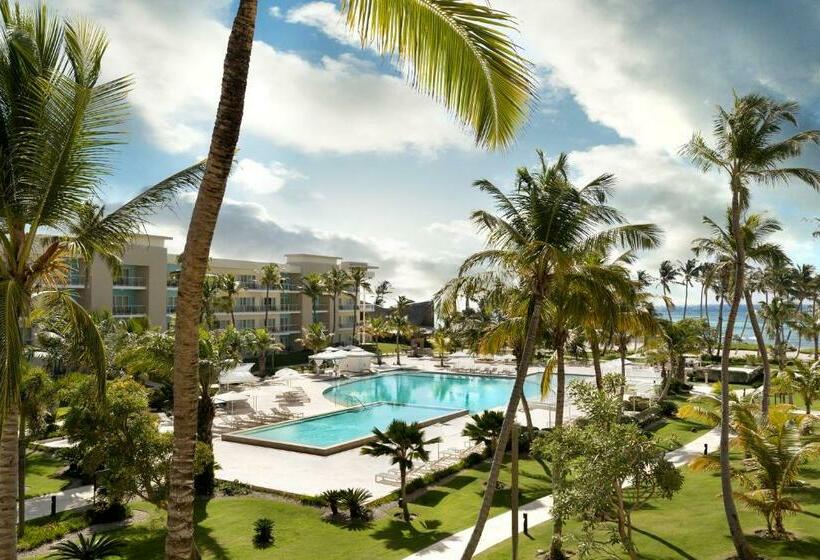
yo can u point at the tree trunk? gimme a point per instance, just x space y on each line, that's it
8 483
179 543
526 406
556 545
267 304
405 509
744 551
398 356
623 531
763 351
514 490
720 327
685 297
21 478
205 419
355 313
533 320
596 361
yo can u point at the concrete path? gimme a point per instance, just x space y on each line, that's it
70 498
497 528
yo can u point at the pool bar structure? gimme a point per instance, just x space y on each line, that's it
277 436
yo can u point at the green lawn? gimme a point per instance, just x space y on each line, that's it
41 474
225 525
390 348
692 526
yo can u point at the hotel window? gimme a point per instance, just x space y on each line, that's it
245 324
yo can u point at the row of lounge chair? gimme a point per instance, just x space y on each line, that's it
447 459
295 397
486 370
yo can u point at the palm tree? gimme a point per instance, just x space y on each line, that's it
359 281
96 547
720 245
313 286
806 381
403 443
689 270
272 279
262 341
378 328
381 290
399 326
60 125
485 428
538 229
315 338
442 343
750 148
335 281
229 289
456 52
667 275
210 292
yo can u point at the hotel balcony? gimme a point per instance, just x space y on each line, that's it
128 310
251 308
130 282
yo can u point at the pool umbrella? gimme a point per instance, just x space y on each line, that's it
288 374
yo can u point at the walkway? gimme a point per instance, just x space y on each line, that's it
497 528
70 498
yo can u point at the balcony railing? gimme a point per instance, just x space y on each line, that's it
170 309
130 281
128 310
347 307
250 308
287 307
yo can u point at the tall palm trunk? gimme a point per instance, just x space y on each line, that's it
596 360
21 478
179 542
720 326
744 551
533 320
398 355
356 339
405 509
762 350
685 297
267 304
556 545
9 454
666 301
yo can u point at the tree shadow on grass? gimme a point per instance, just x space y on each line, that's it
682 553
398 535
805 547
203 535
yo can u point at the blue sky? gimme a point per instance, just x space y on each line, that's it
340 156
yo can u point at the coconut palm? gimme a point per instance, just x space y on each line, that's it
271 279
403 443
381 291
60 124
313 286
442 343
261 341
535 235
485 428
667 275
720 245
689 270
377 328
229 289
359 282
400 326
777 313
456 52
750 148
210 293
315 338
806 381
335 281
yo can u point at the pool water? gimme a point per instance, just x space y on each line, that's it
334 428
470 392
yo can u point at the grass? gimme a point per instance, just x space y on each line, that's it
42 474
390 348
692 526
46 529
225 525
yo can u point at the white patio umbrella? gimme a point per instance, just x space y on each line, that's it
225 398
238 375
288 374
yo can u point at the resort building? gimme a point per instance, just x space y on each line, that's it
147 287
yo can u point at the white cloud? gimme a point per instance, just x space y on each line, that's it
253 177
275 11
340 105
326 18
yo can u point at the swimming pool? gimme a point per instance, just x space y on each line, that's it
337 431
472 392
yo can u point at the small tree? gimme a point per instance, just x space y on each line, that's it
609 466
442 343
378 328
332 498
485 428
355 499
315 338
403 443
263 532
806 381
399 325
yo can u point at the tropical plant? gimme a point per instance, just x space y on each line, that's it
381 291
229 289
679 338
335 281
535 235
95 547
689 271
774 456
378 328
263 536
332 498
355 500
271 279
313 287
261 341
315 338
485 428
455 51
359 280
750 147
400 326
403 443
667 275
806 380
442 344
61 123
776 314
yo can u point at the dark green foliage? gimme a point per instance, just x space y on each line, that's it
96 547
107 512
355 500
485 428
332 498
263 536
668 408
233 488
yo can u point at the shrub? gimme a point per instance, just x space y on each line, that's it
678 387
332 498
96 547
263 532
104 512
668 408
233 488
354 500
636 403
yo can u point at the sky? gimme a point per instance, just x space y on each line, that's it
339 155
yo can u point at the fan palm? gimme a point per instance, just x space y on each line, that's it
335 281
485 428
359 281
403 443
58 127
378 328
271 279
750 147
667 275
537 233
456 52
97 547
313 286
720 245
